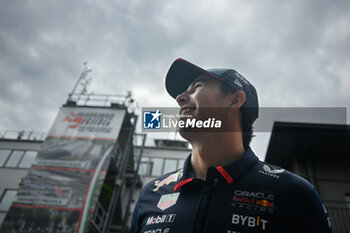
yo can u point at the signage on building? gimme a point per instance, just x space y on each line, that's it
64 182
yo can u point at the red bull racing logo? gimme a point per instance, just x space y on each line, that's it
258 201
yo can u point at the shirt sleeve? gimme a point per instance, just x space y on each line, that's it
316 217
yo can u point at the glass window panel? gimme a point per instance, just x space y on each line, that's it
157 165
143 159
144 168
7 199
4 154
169 165
181 163
14 159
28 159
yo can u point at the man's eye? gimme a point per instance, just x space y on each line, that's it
197 85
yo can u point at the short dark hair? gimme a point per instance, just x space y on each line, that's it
247 125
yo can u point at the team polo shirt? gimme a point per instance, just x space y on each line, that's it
244 196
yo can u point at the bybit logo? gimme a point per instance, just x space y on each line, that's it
249 221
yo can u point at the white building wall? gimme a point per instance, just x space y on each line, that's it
10 178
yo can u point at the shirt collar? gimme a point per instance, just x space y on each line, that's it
230 172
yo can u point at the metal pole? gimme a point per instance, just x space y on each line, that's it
82 76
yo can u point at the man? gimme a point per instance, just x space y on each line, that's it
223 187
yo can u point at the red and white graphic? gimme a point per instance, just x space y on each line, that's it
73 118
166 181
87 123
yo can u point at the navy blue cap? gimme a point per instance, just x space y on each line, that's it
182 73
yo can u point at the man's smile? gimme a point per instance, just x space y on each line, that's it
187 110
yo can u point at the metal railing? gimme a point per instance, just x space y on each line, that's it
117 155
98 218
22 135
120 179
119 161
133 185
102 100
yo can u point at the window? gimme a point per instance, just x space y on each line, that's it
169 165
17 158
181 163
156 166
145 167
7 199
28 159
14 159
4 154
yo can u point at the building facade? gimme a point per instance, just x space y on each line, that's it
18 150
320 154
77 177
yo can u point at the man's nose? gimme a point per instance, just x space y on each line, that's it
182 98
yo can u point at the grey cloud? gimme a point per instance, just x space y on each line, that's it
293 51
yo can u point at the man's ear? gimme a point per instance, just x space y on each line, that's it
237 99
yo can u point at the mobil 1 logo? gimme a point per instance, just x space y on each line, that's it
165 218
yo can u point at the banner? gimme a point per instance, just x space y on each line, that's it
65 180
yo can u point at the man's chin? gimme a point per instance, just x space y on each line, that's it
188 134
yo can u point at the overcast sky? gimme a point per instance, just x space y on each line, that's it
296 53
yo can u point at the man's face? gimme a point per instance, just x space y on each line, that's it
203 100
203 92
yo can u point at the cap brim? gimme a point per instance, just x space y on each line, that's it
181 74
